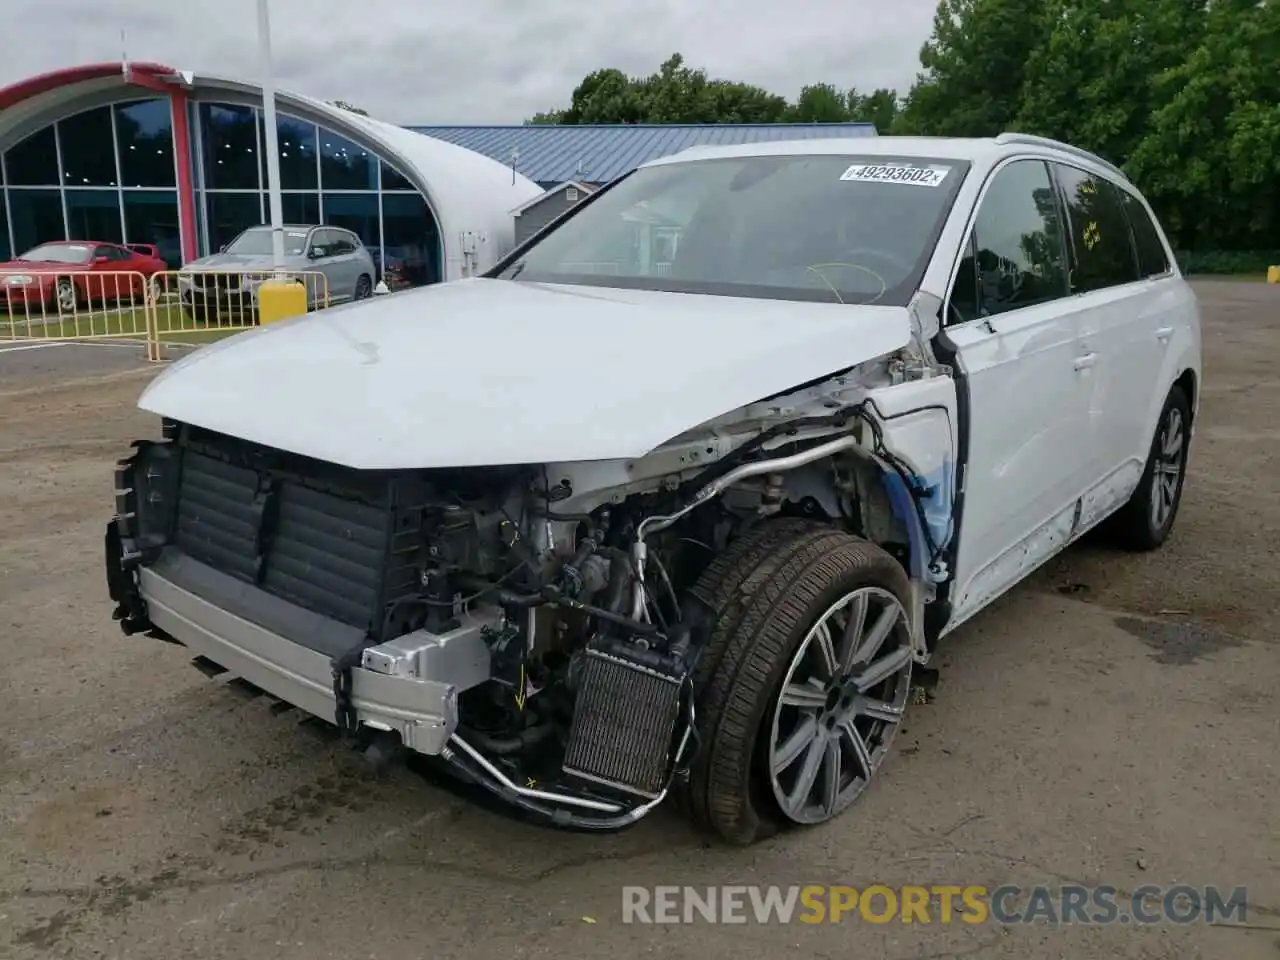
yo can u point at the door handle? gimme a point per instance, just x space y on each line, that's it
1085 361
1164 333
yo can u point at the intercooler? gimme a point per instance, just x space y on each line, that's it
624 724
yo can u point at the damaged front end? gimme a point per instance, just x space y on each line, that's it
534 627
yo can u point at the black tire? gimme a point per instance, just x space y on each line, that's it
770 588
364 287
1137 526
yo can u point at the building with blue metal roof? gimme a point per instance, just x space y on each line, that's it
555 154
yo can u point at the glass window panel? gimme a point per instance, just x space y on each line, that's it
345 166
230 136
34 161
392 180
36 216
358 212
412 242
88 151
230 213
151 216
5 252
145 133
94 215
300 208
297 141
1152 260
1104 255
1017 258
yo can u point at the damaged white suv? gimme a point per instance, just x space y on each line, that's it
679 495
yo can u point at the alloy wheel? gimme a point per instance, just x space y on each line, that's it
841 702
66 296
1166 477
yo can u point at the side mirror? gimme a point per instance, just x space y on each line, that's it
315 253
101 259
223 248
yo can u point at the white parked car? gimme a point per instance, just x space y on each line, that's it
628 516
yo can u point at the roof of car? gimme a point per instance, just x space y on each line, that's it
972 149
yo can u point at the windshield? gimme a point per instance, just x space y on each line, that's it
59 253
256 242
809 227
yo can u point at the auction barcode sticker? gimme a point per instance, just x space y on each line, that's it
890 173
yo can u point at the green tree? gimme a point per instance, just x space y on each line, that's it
1210 153
974 66
879 108
821 103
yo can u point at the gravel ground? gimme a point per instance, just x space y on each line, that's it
1112 721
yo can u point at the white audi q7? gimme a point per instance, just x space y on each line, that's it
677 496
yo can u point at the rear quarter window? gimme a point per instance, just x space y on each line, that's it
1152 259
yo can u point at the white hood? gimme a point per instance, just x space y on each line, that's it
483 372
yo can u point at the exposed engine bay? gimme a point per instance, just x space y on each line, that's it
551 611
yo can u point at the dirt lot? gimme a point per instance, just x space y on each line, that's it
1112 722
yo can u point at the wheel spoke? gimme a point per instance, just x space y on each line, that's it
882 669
796 744
852 739
808 776
853 628
877 709
831 775
1173 443
826 650
1169 487
876 636
804 695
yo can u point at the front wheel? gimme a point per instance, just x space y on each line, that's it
66 295
364 288
810 690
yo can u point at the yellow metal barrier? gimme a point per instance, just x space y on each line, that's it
1273 274
44 303
196 306
172 306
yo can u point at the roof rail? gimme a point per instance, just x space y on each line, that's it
1032 140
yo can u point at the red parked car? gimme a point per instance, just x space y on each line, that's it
65 274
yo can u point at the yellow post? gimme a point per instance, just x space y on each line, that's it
280 299
154 353
1273 274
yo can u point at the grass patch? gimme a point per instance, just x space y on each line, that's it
126 323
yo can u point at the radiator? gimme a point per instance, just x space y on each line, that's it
624 724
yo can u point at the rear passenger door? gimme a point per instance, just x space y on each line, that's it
1119 321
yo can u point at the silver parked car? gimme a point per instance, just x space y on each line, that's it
225 285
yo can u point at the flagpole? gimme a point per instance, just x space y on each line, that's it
272 141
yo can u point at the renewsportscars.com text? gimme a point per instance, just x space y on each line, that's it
935 904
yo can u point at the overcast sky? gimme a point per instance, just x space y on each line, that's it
478 61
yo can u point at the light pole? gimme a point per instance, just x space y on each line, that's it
272 144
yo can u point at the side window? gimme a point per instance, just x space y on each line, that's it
322 243
1100 244
1152 260
1015 257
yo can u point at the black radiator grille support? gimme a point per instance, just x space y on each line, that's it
334 541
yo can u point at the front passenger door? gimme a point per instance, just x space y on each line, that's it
322 258
1015 336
